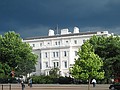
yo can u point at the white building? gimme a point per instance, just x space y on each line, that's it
59 50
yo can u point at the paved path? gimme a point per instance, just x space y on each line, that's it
55 87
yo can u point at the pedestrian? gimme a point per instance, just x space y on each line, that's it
30 82
94 82
22 84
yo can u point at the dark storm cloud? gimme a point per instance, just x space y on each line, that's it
35 17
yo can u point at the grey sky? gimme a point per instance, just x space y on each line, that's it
35 17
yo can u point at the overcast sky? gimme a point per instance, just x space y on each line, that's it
32 18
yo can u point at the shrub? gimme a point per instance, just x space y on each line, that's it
42 79
65 80
8 80
50 80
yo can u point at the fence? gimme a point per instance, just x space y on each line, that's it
5 86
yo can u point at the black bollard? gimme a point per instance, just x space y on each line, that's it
10 87
2 87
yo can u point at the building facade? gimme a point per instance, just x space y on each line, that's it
59 50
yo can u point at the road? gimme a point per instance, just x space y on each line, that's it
55 87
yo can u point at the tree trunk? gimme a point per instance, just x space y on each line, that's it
88 84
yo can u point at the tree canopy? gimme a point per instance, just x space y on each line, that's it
108 48
16 53
88 65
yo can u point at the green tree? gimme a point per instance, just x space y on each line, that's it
1 71
88 65
4 70
54 72
26 66
16 53
108 48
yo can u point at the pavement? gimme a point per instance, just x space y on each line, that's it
54 87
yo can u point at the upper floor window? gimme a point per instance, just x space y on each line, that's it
40 44
55 43
46 64
55 54
40 65
65 64
46 55
33 45
75 53
65 53
75 41
40 55
84 41
59 43
55 64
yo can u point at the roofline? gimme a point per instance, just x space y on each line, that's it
64 35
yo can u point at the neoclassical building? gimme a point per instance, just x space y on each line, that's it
59 50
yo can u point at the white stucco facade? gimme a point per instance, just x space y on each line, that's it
59 50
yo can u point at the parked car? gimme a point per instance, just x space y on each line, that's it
115 86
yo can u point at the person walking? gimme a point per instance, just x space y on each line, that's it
22 84
94 82
30 82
